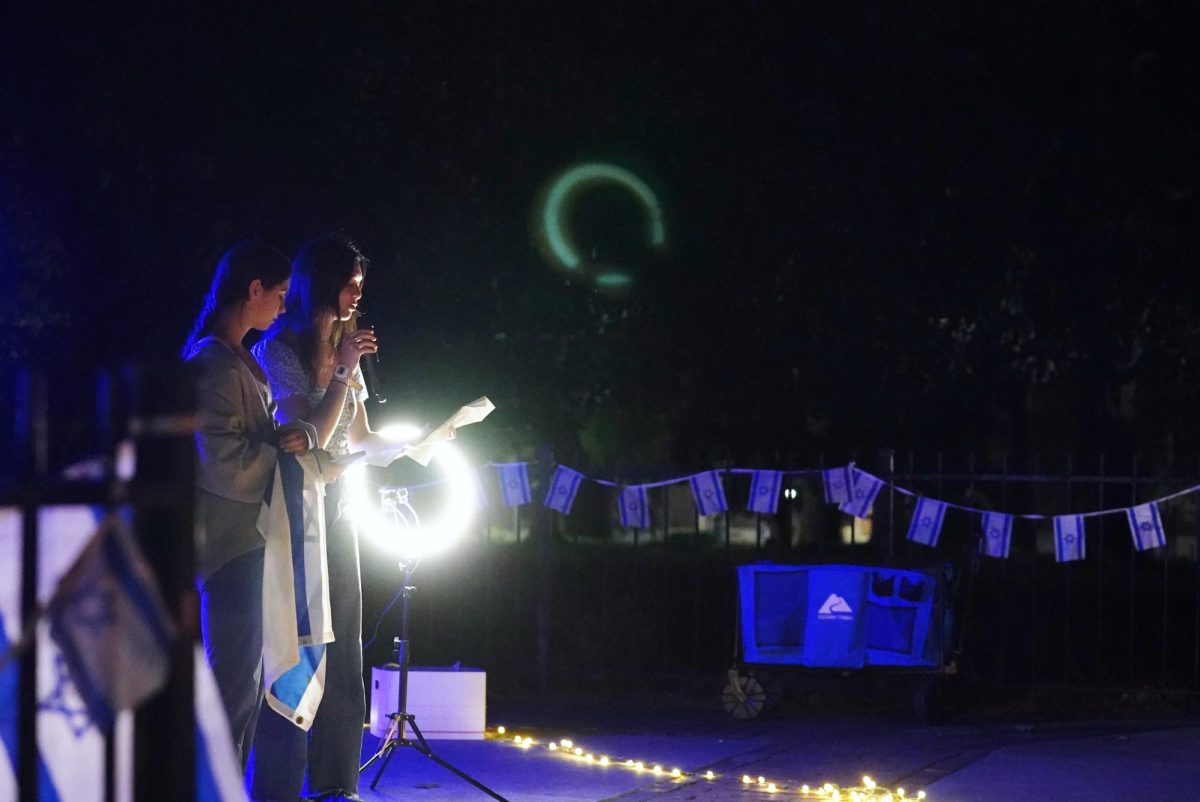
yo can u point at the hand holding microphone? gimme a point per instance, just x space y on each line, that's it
370 368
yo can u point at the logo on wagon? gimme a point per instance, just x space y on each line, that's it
835 608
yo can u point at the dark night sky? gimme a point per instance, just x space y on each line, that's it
947 226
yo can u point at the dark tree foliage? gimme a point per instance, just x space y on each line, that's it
947 226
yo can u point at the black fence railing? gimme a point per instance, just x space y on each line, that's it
540 598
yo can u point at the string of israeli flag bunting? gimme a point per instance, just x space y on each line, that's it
852 489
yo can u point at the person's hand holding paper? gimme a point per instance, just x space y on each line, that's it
422 452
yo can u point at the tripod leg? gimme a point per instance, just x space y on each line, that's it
389 750
385 746
422 746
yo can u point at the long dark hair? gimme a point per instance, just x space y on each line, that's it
320 271
246 261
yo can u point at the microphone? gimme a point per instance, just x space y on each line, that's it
370 370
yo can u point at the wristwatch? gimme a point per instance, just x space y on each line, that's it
343 374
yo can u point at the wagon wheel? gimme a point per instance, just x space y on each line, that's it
772 686
743 697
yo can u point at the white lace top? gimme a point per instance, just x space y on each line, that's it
288 378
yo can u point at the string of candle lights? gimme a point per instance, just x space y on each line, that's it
868 791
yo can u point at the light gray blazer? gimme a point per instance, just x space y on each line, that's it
235 431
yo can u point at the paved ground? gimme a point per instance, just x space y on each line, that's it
1146 759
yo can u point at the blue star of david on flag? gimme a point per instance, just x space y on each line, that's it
634 507
708 493
764 492
926 526
514 483
58 700
997 535
564 484
837 485
1145 525
1070 543
864 489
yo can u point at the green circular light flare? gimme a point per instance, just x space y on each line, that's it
554 221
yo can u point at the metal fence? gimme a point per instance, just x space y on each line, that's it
543 599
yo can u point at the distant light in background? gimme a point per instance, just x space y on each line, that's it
566 186
440 528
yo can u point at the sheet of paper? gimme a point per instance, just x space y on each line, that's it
422 452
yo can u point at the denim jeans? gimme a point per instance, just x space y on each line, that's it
332 747
231 621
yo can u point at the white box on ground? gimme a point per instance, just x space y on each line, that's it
448 702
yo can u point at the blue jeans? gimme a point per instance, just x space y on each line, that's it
332 747
231 621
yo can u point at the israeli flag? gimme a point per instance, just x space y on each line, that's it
69 744
997 535
564 484
837 485
296 616
764 492
514 483
634 505
218 775
1145 524
1070 542
708 493
864 489
926 526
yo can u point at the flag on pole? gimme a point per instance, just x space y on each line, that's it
997 535
864 489
837 485
926 526
708 493
218 775
564 484
514 483
1070 542
110 624
1145 524
634 506
297 623
764 492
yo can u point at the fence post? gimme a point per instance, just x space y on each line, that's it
543 533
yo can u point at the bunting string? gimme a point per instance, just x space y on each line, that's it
852 489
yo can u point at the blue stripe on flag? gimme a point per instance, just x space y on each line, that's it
10 686
997 535
708 493
293 683
1145 525
291 477
633 504
563 487
864 489
926 526
837 485
1070 538
764 492
514 483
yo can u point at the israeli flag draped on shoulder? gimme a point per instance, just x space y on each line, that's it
926 526
1145 525
296 617
708 493
997 535
1070 542
634 507
564 484
218 775
864 489
514 483
764 492
837 484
